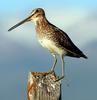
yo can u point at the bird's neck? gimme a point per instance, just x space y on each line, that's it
41 24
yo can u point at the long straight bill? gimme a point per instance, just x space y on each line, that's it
20 23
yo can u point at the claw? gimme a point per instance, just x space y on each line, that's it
51 72
60 78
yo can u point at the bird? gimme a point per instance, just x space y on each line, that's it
55 40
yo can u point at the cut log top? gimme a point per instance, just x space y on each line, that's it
42 86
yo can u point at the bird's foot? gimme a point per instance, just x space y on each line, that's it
51 72
67 81
60 78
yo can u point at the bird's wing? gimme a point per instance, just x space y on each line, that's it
66 42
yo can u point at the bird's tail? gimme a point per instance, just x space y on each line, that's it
84 56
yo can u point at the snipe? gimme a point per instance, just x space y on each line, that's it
52 38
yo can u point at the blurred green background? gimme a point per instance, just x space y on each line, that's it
20 51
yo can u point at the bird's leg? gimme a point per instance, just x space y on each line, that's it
63 72
63 68
54 64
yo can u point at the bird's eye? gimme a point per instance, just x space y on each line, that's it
36 10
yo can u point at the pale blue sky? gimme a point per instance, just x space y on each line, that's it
20 4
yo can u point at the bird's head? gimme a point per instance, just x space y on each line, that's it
35 15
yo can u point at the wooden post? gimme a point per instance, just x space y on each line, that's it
42 86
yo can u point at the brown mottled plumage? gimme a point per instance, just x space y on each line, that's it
52 38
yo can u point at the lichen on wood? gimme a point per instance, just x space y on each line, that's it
42 86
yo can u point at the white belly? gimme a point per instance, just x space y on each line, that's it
50 45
